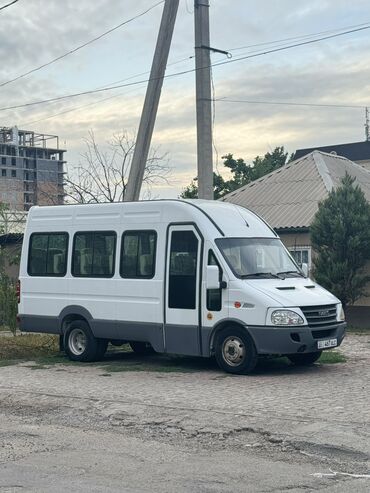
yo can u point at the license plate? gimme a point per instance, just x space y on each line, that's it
327 343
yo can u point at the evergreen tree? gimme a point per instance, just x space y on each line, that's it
340 235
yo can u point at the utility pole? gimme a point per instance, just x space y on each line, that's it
153 94
203 99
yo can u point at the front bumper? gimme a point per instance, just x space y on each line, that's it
291 340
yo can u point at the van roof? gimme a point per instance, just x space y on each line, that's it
228 219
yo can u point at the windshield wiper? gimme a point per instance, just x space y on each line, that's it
258 274
290 272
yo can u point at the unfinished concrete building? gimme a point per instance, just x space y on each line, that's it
31 169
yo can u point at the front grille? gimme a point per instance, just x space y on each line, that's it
320 315
322 334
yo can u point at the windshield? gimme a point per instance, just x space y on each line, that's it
258 258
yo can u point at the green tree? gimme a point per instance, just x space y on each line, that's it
340 235
242 173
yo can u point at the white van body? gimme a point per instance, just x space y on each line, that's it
283 313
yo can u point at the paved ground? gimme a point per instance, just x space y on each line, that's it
83 428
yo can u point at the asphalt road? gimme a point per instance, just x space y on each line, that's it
83 428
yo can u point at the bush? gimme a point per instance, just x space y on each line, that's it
8 303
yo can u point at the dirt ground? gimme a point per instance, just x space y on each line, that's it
186 426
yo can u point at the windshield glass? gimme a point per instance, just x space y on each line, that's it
258 257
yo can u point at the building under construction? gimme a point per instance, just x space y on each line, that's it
32 169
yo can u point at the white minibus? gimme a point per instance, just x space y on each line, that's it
195 277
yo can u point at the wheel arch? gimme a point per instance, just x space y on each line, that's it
70 314
222 324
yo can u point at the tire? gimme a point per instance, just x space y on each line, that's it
81 345
142 348
304 359
235 351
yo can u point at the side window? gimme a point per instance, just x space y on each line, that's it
214 296
138 249
183 270
48 254
94 253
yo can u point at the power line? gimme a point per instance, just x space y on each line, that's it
8 5
295 45
184 72
87 43
303 36
75 108
289 103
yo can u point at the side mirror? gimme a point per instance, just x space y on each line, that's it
212 277
305 269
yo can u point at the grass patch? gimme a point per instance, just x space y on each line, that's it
332 357
28 346
43 352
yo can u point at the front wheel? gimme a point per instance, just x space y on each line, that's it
235 351
304 359
80 343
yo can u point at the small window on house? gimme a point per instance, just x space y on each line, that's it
3 172
302 255
138 252
3 161
14 161
48 254
14 173
94 254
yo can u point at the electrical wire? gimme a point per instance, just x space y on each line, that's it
289 103
70 110
184 72
87 43
303 36
8 5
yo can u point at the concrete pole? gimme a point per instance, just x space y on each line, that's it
203 99
153 94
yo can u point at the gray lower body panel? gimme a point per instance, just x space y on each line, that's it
36 323
130 331
182 339
291 340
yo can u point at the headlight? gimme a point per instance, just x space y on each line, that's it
286 317
342 317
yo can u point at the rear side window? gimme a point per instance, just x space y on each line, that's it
138 254
48 254
94 254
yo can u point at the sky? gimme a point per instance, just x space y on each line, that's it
334 71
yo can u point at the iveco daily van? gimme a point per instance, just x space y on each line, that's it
195 277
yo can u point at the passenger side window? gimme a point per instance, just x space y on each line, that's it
48 254
138 251
94 254
214 296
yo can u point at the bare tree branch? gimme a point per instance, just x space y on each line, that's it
102 176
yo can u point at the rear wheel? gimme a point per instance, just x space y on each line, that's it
81 345
304 359
235 351
141 347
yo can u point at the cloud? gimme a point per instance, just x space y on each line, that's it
329 72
